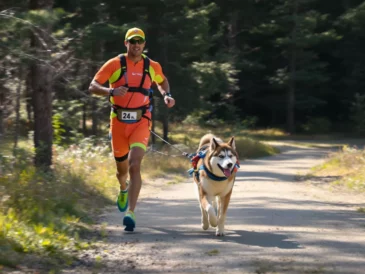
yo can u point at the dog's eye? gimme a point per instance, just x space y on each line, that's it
221 156
230 156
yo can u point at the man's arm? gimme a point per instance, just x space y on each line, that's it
164 89
96 86
98 89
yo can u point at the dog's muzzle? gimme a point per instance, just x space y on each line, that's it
227 171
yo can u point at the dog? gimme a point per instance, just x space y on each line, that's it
214 166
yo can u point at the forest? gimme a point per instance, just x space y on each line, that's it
297 65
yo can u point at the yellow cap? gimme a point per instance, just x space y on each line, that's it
134 32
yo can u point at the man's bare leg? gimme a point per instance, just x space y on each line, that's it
135 159
122 174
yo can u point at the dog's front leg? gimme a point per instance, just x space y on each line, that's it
207 209
222 213
204 217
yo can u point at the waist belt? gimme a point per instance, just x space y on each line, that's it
130 115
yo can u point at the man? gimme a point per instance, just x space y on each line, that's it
130 78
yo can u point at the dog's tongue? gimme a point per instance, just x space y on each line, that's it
227 172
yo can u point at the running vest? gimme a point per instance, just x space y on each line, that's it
121 112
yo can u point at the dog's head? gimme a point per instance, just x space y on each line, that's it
222 157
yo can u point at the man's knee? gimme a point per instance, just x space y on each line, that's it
121 174
134 166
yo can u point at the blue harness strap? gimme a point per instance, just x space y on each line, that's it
210 174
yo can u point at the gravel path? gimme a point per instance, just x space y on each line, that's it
274 224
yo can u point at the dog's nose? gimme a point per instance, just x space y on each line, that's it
230 165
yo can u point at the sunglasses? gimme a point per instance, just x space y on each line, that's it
134 41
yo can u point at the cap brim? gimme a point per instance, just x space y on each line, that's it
136 35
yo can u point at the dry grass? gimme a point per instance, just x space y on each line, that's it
60 205
349 164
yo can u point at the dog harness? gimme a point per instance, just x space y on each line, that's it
200 155
133 115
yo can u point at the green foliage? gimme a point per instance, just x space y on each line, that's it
45 213
317 125
196 118
58 129
249 148
213 77
67 118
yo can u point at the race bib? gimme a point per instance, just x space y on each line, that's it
129 115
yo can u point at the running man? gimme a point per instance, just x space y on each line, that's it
130 77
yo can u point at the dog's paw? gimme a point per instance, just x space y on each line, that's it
219 233
205 226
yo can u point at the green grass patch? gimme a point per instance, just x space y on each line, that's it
47 214
247 146
169 160
361 210
213 252
349 164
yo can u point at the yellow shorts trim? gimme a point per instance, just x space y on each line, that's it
139 145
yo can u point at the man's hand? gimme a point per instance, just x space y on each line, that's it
120 91
169 101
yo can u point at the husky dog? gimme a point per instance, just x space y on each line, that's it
215 170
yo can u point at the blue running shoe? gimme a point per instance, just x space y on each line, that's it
129 221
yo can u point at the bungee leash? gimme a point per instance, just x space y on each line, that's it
185 154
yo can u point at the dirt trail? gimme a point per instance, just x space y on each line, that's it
274 224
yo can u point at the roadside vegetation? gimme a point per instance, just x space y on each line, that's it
347 166
48 216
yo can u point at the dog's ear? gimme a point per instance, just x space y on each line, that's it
232 143
213 144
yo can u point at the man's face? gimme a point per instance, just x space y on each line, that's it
135 46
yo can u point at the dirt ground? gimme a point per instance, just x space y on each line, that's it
275 224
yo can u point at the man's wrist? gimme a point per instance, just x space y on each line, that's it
111 92
168 94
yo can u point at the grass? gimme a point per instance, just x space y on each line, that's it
349 165
247 147
46 216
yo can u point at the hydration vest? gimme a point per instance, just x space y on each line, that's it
146 92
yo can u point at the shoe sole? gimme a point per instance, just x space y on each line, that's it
128 223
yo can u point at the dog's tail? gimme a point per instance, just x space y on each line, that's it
205 140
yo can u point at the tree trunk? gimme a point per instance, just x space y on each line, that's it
97 52
17 110
42 105
84 109
232 33
28 98
292 85
42 96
